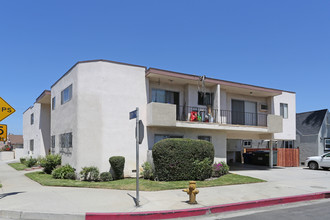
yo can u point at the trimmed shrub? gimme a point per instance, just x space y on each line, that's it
50 162
147 172
174 158
106 176
220 169
117 164
90 173
30 162
70 176
63 171
202 169
22 160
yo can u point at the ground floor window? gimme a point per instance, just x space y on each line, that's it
288 144
66 143
327 144
159 137
31 145
205 138
52 144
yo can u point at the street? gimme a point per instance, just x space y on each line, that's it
316 210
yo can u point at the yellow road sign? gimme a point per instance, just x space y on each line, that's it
5 109
3 132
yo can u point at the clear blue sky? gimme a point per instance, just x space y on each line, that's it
277 44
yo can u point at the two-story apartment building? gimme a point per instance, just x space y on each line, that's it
90 105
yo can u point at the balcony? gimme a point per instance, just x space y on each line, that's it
197 114
243 118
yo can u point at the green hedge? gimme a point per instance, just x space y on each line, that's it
50 162
117 164
179 159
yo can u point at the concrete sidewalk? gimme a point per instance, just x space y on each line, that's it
23 198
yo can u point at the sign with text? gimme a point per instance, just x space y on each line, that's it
3 132
132 114
5 109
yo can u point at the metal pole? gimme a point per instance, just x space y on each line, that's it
271 154
137 158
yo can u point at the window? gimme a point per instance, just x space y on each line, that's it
159 137
288 144
326 144
32 119
31 145
205 98
53 103
66 94
247 143
66 140
52 145
205 138
263 107
284 110
163 96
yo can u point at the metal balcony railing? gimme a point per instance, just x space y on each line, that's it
197 114
242 118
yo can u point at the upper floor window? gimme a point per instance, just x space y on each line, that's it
164 96
32 119
284 110
205 98
53 103
66 94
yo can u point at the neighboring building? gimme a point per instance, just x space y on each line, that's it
36 126
15 141
90 105
313 133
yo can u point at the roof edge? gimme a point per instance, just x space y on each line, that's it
195 77
312 111
97 60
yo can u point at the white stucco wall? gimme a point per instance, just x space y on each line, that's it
289 124
64 117
98 115
39 131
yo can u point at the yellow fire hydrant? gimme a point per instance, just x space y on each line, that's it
192 191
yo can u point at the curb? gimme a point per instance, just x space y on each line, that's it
206 210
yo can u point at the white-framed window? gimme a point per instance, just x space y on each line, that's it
205 138
159 137
288 144
52 145
284 110
263 107
53 103
327 144
32 119
66 94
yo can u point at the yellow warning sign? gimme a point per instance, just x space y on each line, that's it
3 132
5 109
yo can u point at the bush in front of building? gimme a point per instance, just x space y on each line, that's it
179 159
106 176
147 172
90 173
117 164
30 162
22 160
50 162
64 172
220 169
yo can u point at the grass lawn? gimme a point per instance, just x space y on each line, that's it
18 166
145 185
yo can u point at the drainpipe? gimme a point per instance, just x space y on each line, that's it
218 104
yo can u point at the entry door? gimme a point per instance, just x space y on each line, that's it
237 108
250 113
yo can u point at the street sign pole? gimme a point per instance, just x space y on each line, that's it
137 157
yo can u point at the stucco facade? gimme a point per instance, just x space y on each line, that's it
92 101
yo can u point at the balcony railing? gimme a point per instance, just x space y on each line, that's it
197 114
243 118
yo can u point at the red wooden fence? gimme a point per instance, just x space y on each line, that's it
288 157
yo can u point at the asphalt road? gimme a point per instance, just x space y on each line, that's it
310 210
